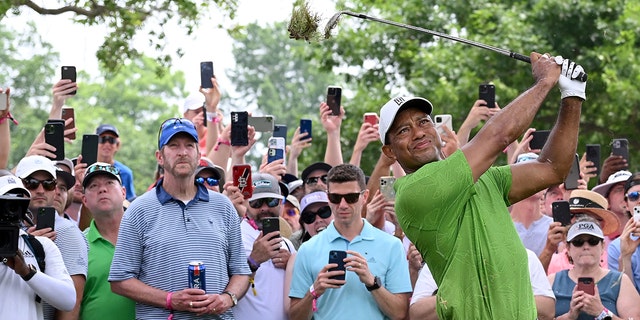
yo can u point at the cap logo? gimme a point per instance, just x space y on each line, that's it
11 180
262 183
586 226
576 201
399 100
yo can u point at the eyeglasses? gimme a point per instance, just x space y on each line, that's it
314 180
109 139
350 198
309 216
592 242
633 196
32 184
292 212
271 202
212 182
101 167
173 121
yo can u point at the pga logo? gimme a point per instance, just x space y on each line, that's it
585 226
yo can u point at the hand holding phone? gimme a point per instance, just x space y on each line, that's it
337 257
334 99
206 73
276 149
571 182
587 285
487 92
69 72
54 135
89 148
371 117
3 101
46 218
242 179
539 139
68 113
239 129
270 225
620 147
561 212
443 120
593 155
305 127
386 188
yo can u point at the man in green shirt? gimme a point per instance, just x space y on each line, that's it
455 209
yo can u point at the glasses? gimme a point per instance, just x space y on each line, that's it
101 167
579 242
633 196
32 184
109 139
271 202
292 212
212 182
309 217
314 180
350 198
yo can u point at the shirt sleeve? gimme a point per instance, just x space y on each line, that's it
425 285
613 252
54 285
539 281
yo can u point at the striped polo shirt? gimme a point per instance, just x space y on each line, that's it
160 235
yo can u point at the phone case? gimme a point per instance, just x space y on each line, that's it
561 212
68 112
89 149
443 120
270 225
3 101
239 132
487 92
593 155
276 149
242 179
334 99
54 135
539 139
46 218
206 73
587 285
386 187
262 124
69 72
571 182
636 213
337 256
305 126
280 130
620 147
371 117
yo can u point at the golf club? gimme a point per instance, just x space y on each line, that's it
333 22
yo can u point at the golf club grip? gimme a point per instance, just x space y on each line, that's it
582 76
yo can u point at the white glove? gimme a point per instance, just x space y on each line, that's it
569 85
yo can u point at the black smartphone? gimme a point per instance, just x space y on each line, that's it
539 139
270 225
239 131
69 72
561 212
54 135
593 155
334 99
487 92
46 218
89 149
337 257
206 73
305 126
571 182
587 285
67 112
620 147
280 131
204 115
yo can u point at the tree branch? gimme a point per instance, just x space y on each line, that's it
96 10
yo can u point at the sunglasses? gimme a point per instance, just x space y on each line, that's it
633 196
109 139
172 121
579 242
271 202
212 182
101 167
292 212
350 198
309 217
32 184
314 180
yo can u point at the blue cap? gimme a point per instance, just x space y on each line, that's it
173 126
107 128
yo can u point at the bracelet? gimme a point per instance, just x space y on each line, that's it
168 304
253 265
312 291
220 141
215 119
8 116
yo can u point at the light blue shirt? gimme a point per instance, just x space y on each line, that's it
614 260
127 180
535 237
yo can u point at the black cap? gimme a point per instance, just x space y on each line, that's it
316 166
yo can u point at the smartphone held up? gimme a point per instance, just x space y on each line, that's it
69 72
334 99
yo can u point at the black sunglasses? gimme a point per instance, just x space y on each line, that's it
212 182
109 139
32 184
309 216
633 196
314 180
579 242
271 202
350 198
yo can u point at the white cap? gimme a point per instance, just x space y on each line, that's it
313 197
586 227
192 102
29 165
389 111
620 176
526 157
14 184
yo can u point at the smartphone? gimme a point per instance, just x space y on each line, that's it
270 225
89 149
276 149
337 257
571 182
487 92
593 155
443 120
242 179
280 130
561 212
262 124
69 72
386 188
54 135
371 117
67 112
334 99
239 131
587 285
636 213
305 126
206 73
46 218
539 139
620 147
3 101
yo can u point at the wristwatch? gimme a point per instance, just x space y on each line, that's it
605 315
32 272
234 299
375 285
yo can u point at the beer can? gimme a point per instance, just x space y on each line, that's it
197 277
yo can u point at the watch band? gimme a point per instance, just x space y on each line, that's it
375 285
32 272
234 299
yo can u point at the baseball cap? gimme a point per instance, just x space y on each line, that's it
313 167
313 197
206 164
12 184
173 126
107 128
266 186
526 157
192 102
294 201
585 227
29 165
68 177
101 168
620 176
389 111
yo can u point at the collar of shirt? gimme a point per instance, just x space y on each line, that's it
164 197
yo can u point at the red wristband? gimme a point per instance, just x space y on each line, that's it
168 304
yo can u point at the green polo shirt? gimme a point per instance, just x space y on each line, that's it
98 301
